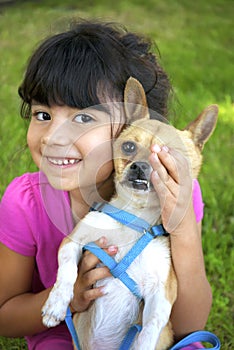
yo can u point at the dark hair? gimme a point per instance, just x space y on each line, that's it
92 60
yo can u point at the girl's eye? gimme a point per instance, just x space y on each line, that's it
42 116
83 118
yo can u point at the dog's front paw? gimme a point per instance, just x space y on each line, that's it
55 308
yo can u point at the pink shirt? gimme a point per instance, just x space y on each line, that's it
34 218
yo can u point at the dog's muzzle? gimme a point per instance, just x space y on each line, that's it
138 176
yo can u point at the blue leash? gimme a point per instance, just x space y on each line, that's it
199 336
125 345
71 328
118 270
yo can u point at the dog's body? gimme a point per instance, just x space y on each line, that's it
104 325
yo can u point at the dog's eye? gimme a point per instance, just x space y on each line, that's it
129 147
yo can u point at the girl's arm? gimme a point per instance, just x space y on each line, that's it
193 304
173 183
20 309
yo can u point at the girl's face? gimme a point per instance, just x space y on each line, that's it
72 147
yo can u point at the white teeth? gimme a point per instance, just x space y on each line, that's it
141 181
63 161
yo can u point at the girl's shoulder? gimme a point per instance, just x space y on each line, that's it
31 208
21 190
32 194
19 213
24 192
27 182
30 189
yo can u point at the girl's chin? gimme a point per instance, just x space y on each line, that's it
68 184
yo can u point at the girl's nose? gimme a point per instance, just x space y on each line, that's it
45 139
60 134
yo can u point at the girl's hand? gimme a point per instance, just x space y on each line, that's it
172 181
89 274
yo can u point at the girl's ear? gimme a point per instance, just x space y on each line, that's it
135 103
203 126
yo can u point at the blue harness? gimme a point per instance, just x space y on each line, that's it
118 270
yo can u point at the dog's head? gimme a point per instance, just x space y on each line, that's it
132 147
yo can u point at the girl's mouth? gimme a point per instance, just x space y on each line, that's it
63 161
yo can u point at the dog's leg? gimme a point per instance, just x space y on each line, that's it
54 309
156 314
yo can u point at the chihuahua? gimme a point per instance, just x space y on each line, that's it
105 324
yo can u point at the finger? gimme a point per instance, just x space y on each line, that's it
90 261
169 162
103 243
174 163
92 294
159 167
91 277
164 188
169 159
83 302
160 187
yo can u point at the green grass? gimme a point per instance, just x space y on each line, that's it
195 39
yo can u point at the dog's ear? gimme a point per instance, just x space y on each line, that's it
135 103
203 126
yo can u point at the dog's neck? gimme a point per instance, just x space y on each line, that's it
143 205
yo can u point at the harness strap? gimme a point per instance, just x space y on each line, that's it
132 332
113 267
136 250
118 270
125 218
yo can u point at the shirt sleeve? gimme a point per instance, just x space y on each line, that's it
198 204
17 217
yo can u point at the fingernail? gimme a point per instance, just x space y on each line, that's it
156 148
165 148
112 249
155 156
103 290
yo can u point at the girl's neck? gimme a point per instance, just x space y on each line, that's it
82 199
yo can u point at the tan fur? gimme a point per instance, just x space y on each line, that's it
106 320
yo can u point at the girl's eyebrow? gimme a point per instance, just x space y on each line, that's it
101 107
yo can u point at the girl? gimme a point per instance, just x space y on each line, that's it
69 83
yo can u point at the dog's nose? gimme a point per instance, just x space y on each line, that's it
140 166
140 169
